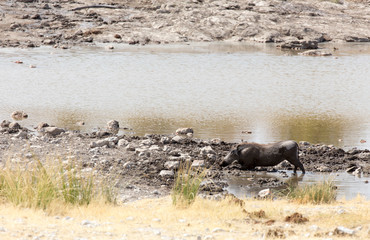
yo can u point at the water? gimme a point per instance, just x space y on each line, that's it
348 186
220 90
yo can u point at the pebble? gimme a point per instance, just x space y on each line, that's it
216 230
343 230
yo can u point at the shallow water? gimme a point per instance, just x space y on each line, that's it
349 186
220 90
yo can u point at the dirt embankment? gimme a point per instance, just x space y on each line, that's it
146 166
62 23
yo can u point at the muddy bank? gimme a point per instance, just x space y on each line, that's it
293 24
146 166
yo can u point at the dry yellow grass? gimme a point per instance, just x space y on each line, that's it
157 218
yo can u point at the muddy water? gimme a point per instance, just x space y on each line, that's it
349 186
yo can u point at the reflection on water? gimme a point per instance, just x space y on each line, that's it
327 129
220 90
349 186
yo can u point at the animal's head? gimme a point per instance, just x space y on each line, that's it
233 155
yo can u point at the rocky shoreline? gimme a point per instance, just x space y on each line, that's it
146 166
292 24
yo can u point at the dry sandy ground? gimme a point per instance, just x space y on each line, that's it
159 219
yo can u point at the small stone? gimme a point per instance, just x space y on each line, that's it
178 138
207 150
198 163
122 143
341 211
99 143
184 131
216 230
171 165
343 231
14 125
264 193
113 126
53 131
5 124
166 173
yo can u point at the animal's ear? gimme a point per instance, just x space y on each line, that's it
239 148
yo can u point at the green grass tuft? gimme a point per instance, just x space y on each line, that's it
36 185
318 193
187 185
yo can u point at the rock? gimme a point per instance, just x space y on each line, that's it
315 53
5 124
128 165
53 131
122 143
22 135
198 163
364 156
147 142
19 115
216 230
171 165
15 126
298 44
130 147
41 126
165 140
304 143
323 169
154 148
342 231
184 131
264 193
207 150
178 139
215 141
113 126
99 143
166 173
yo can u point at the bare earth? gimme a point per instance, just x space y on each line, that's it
31 23
158 219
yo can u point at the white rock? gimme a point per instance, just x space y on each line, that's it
184 131
344 230
166 173
264 193
122 143
53 131
197 163
207 150
171 165
99 143
178 138
216 230
314 228
154 148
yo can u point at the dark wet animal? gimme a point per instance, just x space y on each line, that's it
251 155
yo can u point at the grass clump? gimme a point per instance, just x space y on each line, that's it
318 193
37 185
187 185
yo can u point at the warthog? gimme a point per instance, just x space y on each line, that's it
251 155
